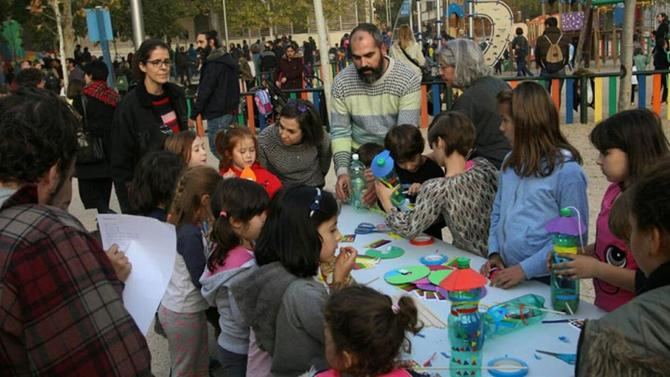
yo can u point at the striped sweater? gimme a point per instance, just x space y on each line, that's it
363 113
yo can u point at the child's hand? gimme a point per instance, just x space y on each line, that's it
508 277
580 267
494 262
344 264
120 262
414 189
384 194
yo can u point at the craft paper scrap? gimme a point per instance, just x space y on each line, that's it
151 248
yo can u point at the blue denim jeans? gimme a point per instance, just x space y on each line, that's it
214 126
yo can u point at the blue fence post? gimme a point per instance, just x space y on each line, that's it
437 105
569 100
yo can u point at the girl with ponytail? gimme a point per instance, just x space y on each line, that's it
354 347
239 208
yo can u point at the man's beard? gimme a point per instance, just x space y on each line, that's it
376 74
204 51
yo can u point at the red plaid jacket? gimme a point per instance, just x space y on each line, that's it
61 311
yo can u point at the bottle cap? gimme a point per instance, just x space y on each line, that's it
565 212
354 156
462 263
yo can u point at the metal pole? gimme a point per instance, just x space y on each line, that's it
439 23
225 20
324 45
411 16
389 23
61 42
356 12
471 19
418 21
137 20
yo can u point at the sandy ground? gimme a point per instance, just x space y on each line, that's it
577 134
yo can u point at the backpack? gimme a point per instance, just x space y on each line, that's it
554 53
262 99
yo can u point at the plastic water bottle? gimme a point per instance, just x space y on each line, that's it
512 315
357 175
466 330
564 291
383 168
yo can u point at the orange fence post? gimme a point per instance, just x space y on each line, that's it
656 94
424 107
251 122
556 93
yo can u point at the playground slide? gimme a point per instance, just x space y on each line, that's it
501 18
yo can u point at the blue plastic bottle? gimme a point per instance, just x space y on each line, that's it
357 175
383 168
466 332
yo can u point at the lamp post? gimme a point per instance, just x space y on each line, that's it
225 20
137 20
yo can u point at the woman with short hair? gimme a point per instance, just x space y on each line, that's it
462 66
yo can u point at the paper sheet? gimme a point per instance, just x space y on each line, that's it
151 248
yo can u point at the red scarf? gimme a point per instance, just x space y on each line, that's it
100 91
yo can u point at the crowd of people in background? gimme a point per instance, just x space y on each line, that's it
256 238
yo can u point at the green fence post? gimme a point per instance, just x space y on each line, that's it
613 95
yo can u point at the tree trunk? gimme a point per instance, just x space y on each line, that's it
68 29
627 53
583 34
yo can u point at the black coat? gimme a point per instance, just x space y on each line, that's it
99 123
219 88
136 131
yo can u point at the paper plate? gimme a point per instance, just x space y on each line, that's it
406 275
436 277
389 252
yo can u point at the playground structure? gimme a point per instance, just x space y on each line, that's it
604 24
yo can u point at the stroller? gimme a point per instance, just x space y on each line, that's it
270 100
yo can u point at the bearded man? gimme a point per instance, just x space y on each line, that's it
369 97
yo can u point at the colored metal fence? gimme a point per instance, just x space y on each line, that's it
437 97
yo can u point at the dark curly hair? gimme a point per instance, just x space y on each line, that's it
37 131
365 323
154 181
307 117
142 56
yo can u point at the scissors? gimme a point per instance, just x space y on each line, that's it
569 358
367 228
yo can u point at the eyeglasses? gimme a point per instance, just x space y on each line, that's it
159 63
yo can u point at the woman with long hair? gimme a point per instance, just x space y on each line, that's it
406 50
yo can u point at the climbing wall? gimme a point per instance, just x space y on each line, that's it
501 18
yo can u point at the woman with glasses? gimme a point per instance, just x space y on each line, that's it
296 149
147 115
462 66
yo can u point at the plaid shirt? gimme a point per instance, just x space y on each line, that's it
61 311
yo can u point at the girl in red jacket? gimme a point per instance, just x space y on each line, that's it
237 148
